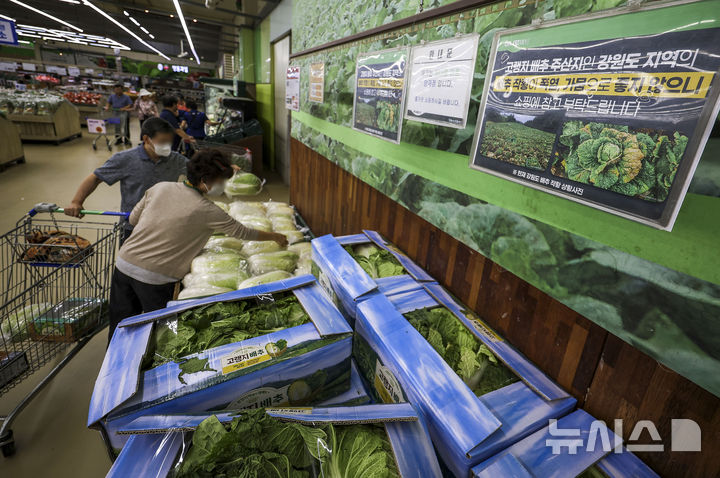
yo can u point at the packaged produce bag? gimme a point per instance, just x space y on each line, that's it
567 453
388 441
282 343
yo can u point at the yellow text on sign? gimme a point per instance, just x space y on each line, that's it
245 364
387 83
655 85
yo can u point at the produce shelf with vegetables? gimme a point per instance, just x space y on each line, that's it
477 394
11 148
349 267
383 441
546 453
227 264
41 117
282 343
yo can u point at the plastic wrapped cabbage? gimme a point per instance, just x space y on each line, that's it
273 261
222 205
201 291
304 266
293 237
243 184
264 279
282 223
246 208
302 249
212 262
260 223
222 243
243 161
258 247
227 280
279 209
15 326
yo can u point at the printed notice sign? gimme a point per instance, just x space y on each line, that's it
292 89
8 35
583 110
440 81
317 82
379 93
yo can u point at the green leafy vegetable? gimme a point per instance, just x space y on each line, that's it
222 323
273 261
243 184
376 262
461 350
255 445
633 163
264 279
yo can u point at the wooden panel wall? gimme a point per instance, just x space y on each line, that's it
609 378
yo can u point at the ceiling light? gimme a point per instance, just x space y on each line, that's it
60 53
7 18
126 13
184 25
18 2
66 36
29 35
172 16
137 23
144 30
151 36
74 2
102 12
147 11
194 20
25 42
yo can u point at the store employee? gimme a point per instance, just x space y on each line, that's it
173 222
137 169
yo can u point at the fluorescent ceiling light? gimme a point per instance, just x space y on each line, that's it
187 32
137 23
66 36
25 42
7 18
144 30
126 13
102 12
28 35
74 2
18 2
151 36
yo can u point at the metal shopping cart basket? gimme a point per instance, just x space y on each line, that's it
54 291
100 124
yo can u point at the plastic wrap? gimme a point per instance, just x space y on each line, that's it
222 205
223 243
264 279
226 261
255 222
201 290
15 326
282 223
257 247
273 261
246 208
243 184
302 249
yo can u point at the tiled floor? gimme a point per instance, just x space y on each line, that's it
51 435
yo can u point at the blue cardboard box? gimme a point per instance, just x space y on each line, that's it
158 442
401 366
343 278
311 365
574 445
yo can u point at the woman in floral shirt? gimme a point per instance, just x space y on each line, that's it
145 106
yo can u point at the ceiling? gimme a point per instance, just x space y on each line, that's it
213 31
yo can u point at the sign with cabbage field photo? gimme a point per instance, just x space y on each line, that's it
379 93
582 110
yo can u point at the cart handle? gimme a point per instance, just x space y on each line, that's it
52 207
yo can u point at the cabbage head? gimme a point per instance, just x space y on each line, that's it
264 279
243 184
273 261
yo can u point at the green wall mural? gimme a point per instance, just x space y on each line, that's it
658 291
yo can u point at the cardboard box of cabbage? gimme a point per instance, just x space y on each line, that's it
277 344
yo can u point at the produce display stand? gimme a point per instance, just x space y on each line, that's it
59 126
11 149
85 111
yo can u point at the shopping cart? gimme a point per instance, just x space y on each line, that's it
99 125
54 291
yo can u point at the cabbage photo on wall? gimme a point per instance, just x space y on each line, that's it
637 162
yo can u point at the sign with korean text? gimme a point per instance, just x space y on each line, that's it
8 66
292 88
244 357
28 66
579 109
317 82
440 81
73 71
8 35
380 93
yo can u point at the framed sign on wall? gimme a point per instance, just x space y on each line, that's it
580 109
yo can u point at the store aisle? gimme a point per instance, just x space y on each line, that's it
50 434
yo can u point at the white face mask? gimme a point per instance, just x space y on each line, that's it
162 149
217 189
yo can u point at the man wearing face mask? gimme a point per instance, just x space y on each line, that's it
173 221
137 169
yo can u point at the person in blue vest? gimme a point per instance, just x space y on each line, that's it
196 121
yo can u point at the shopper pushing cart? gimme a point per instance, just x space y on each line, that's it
121 104
100 124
